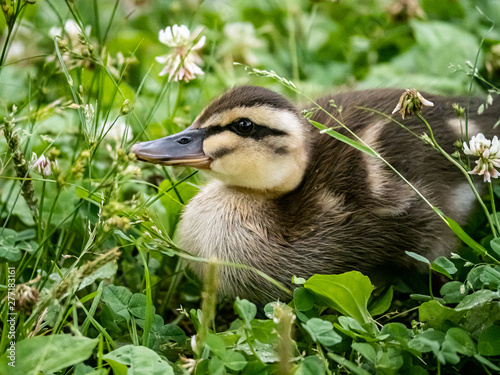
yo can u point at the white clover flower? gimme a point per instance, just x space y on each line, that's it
193 342
72 30
411 101
240 41
189 364
489 156
117 131
181 63
42 165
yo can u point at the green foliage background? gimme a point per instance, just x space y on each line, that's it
100 282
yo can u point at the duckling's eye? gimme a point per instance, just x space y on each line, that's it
244 126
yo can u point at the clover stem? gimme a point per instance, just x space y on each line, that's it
467 176
493 208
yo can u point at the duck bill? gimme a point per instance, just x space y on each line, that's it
181 149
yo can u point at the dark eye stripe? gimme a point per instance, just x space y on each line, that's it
259 132
222 152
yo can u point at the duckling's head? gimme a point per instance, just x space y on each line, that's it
250 137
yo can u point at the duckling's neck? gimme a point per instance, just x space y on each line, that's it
232 225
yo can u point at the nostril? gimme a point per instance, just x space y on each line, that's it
184 141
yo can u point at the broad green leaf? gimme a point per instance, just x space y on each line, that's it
28 246
48 354
245 309
427 341
347 293
25 235
489 341
266 352
105 272
137 305
477 298
444 9
216 345
486 362
457 340
366 350
303 299
480 317
11 205
139 360
171 332
453 291
418 370
264 330
8 248
444 266
322 331
418 257
8 236
351 142
490 277
435 314
382 303
389 361
495 246
10 253
396 331
117 298
216 366
433 37
235 361
311 365
349 365
484 276
255 368
160 333
83 369
350 324
304 316
367 332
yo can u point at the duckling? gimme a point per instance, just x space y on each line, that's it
288 200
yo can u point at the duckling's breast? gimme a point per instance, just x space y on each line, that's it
233 226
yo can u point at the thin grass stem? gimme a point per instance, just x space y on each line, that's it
493 207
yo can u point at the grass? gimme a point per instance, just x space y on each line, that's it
88 252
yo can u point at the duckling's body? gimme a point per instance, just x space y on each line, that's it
310 204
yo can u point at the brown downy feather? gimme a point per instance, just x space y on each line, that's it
350 212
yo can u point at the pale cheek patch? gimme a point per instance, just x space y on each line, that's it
461 200
377 177
255 167
224 141
380 181
458 126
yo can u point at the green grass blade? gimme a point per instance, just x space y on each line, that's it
468 240
351 142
